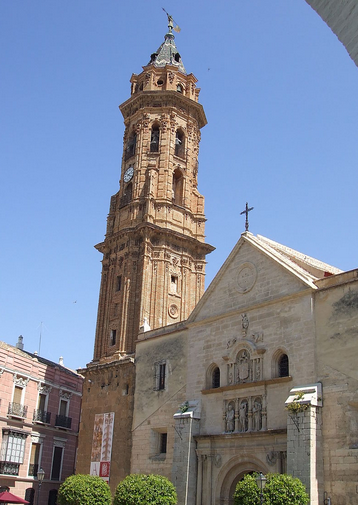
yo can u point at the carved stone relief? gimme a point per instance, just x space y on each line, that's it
246 277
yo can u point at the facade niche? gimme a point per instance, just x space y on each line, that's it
154 139
283 366
178 184
246 369
245 415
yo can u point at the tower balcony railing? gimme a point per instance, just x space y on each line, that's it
17 410
41 416
63 422
8 468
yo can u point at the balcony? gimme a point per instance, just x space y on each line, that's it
33 469
41 416
7 468
63 422
17 410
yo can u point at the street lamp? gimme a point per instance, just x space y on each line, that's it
40 478
261 482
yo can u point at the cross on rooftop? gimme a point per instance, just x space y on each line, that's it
246 211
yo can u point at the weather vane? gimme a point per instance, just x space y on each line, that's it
171 26
246 211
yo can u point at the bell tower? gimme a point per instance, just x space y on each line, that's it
154 249
153 253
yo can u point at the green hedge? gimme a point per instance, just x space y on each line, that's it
145 490
280 489
84 490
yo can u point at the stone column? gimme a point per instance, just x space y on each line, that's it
184 468
304 439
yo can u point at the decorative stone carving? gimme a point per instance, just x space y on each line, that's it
230 418
245 324
231 343
44 389
173 311
272 457
243 413
257 414
243 366
20 381
217 460
66 395
246 277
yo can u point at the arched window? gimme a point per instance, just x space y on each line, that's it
178 187
215 382
283 366
179 88
131 144
179 143
154 139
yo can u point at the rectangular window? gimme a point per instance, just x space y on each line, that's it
173 284
162 368
17 395
56 463
163 443
113 337
118 282
63 408
13 446
34 460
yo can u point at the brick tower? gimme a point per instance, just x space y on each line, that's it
154 250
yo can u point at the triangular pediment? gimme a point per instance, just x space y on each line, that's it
258 271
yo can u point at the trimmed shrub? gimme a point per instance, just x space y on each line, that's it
280 489
84 490
146 490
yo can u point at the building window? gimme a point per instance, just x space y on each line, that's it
40 414
154 139
160 379
62 419
12 451
163 438
118 282
179 88
16 407
179 143
56 463
283 366
173 284
215 383
34 460
178 182
52 497
113 337
131 145
30 495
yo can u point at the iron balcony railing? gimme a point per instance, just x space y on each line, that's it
33 469
63 422
17 410
41 416
7 468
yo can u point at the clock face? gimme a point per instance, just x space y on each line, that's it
128 174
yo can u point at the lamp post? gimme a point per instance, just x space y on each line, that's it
261 482
40 478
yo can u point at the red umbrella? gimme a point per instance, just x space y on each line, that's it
7 497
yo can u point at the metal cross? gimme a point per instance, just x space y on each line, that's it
246 211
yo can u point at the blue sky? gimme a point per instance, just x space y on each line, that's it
280 94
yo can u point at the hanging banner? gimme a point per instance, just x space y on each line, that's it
102 445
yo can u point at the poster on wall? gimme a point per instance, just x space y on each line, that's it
102 445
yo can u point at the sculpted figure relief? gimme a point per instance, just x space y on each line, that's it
230 418
256 414
243 417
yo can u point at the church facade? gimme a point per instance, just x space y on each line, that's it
256 374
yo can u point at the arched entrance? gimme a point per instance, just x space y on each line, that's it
231 474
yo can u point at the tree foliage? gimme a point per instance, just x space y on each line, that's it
280 489
146 490
84 490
